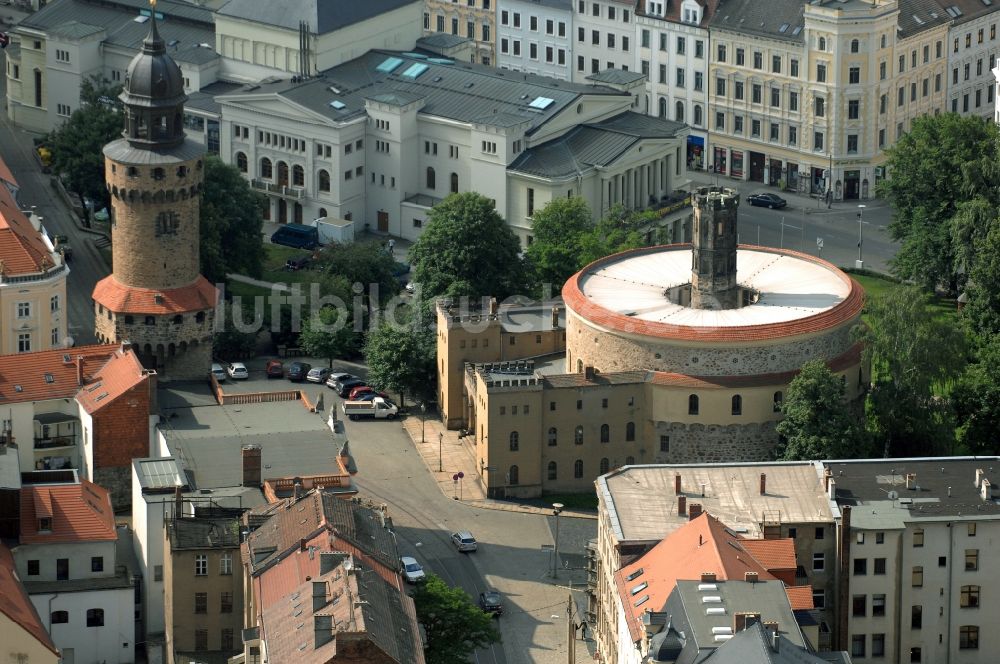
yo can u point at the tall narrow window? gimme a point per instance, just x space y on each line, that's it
693 404
605 433
737 405
578 469
454 183
431 178
630 432
515 441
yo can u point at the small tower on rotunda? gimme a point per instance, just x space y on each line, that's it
714 243
155 297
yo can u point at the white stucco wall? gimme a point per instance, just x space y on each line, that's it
519 30
114 643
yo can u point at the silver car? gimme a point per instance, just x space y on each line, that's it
411 570
464 541
219 373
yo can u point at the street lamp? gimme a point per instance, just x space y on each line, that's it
440 439
557 508
423 419
861 222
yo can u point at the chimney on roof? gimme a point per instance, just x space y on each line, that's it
296 489
744 619
911 481
750 577
79 374
677 484
694 511
125 346
555 318
979 476
708 577
493 306
328 561
178 503
776 641
763 484
827 475
323 630
681 505
319 595
986 490
251 465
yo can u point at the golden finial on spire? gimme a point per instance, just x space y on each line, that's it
152 3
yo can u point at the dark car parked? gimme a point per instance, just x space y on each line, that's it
491 602
348 385
274 369
297 371
771 201
296 263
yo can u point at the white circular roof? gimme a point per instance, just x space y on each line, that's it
790 288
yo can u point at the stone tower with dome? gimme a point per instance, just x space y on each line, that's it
156 298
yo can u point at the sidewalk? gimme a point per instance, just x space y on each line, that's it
439 447
808 204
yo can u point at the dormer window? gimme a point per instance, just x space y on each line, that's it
654 8
691 13
45 525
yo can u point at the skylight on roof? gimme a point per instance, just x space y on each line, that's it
987 2
389 64
642 600
415 70
339 105
639 588
141 19
783 28
919 20
541 103
797 30
634 575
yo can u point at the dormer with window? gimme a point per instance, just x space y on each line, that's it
691 12
656 8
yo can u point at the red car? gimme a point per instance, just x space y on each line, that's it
362 390
274 369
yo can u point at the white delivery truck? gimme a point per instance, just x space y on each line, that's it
378 408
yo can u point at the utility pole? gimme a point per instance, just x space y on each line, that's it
557 509
571 636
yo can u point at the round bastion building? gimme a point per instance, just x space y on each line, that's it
722 327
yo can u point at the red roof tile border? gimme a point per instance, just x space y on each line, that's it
847 310
119 298
80 513
15 603
22 249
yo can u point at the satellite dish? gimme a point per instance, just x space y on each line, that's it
68 342
893 495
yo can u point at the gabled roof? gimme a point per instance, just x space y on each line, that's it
49 374
22 249
704 544
754 645
79 513
118 375
15 603
323 16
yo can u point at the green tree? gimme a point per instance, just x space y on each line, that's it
401 359
77 145
977 401
818 423
467 249
928 175
982 310
231 223
619 231
455 627
914 356
330 332
366 263
557 229
231 343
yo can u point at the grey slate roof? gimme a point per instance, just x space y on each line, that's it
929 13
191 533
75 30
204 99
441 40
970 9
590 145
459 91
753 646
323 16
616 76
386 619
764 19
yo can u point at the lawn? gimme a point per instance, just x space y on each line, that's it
275 257
875 285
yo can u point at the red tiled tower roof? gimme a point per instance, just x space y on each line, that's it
122 299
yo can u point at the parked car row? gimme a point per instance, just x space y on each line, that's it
234 370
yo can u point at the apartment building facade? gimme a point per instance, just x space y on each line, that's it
673 53
973 48
536 37
472 19
605 37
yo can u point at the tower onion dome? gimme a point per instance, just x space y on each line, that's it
153 95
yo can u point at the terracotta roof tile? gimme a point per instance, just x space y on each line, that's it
22 249
15 603
773 554
118 375
5 173
199 296
703 544
24 376
80 513
800 597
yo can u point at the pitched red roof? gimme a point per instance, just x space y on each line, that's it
5 173
26 376
116 296
22 249
79 512
703 544
118 375
800 597
15 603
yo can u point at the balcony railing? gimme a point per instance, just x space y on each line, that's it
55 441
280 189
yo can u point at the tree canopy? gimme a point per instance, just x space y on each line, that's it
231 223
455 627
366 263
977 402
818 423
557 229
467 249
330 332
77 145
402 359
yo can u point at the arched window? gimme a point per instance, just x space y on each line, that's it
431 179
604 465
241 162
60 617
578 435
579 366
324 180
778 398
553 439
454 183
178 319
158 174
737 404
605 433
515 441
95 617
282 174
697 115
663 107
513 476
553 470
298 176
630 461
693 404
266 168
322 213
578 469
822 43
630 431
855 46
200 317
679 111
